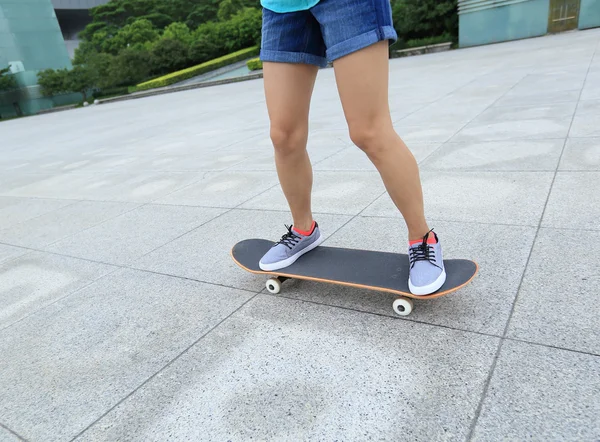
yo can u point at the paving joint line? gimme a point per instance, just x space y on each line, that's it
473 119
167 365
383 315
484 394
14 433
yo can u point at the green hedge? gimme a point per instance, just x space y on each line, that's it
254 64
211 65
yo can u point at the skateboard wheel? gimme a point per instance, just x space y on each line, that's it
273 285
403 306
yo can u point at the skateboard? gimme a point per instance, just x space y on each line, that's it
364 269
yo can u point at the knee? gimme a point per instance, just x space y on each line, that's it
288 140
369 138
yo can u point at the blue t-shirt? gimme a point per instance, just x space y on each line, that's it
282 6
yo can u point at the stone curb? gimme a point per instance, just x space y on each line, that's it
168 90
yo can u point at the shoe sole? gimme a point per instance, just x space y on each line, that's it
292 259
430 288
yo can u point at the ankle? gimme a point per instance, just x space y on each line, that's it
304 225
418 234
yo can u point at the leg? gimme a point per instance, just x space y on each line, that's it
362 79
288 90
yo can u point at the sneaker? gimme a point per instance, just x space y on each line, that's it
292 246
427 273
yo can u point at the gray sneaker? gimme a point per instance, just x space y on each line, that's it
291 247
427 273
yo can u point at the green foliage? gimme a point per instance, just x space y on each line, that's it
178 31
204 48
241 31
254 64
202 13
99 66
62 81
417 19
198 70
131 66
79 79
7 80
228 8
52 82
157 19
111 92
138 34
169 55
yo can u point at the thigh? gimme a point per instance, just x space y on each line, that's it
362 80
288 90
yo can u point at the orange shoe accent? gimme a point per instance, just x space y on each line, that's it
430 240
306 233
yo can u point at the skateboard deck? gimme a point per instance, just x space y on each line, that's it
365 269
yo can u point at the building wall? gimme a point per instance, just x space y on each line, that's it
491 21
73 17
589 14
30 41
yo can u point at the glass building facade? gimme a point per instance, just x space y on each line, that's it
492 21
31 40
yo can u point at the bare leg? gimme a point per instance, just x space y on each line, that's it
362 79
288 90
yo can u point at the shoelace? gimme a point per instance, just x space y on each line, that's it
423 252
290 239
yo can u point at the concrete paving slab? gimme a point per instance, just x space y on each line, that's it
255 378
585 123
127 187
539 128
32 282
557 303
8 436
226 189
539 394
10 252
16 210
344 193
204 254
58 224
520 155
478 197
568 206
123 239
85 353
581 154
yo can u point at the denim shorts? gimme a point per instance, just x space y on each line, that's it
329 30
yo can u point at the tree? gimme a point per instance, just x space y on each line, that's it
227 8
99 67
169 56
203 48
178 31
52 82
130 67
137 33
7 80
202 13
415 19
158 20
79 79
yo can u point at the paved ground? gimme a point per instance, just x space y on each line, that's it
122 316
